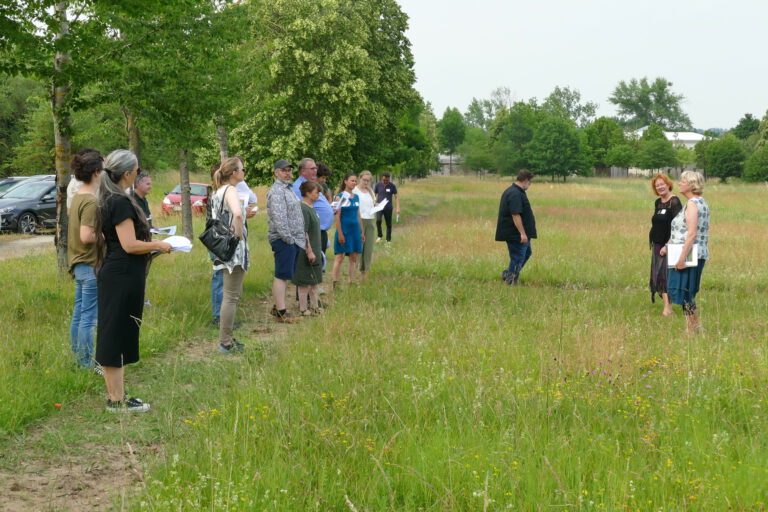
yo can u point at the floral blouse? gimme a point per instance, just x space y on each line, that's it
680 228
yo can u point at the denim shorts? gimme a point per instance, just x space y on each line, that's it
285 259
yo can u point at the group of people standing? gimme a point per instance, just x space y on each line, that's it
673 225
300 214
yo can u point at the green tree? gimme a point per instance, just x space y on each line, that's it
756 166
762 133
476 149
555 148
510 133
747 126
566 103
653 132
450 131
620 155
640 103
602 135
724 158
655 154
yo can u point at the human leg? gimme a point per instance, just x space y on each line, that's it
379 215
388 220
352 266
114 380
337 261
74 326
303 293
667 306
217 294
88 312
233 289
519 254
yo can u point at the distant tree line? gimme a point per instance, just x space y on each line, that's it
560 137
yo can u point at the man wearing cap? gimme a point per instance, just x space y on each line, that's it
286 234
308 172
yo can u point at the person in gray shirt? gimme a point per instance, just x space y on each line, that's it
286 235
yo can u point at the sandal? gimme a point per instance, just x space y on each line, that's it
307 312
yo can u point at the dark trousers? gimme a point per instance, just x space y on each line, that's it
518 256
387 214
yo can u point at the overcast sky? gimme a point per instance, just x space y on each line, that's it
714 52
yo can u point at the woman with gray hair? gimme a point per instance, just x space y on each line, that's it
123 247
690 228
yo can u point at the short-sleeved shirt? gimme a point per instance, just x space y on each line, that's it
383 192
661 222
83 212
116 209
144 204
679 228
514 201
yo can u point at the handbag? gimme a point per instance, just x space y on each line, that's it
218 237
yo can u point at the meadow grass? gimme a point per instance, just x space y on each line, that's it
434 386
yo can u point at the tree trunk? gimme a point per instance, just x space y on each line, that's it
222 137
132 129
186 204
450 164
62 131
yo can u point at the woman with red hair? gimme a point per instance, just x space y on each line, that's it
667 206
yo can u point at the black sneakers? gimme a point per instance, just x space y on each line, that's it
127 405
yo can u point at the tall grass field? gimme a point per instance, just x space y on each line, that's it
433 385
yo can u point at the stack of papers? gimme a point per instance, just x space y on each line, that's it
169 231
179 243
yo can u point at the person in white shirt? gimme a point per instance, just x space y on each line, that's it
367 202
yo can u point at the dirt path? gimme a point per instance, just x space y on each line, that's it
25 246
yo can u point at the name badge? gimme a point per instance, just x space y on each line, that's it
662 211
388 190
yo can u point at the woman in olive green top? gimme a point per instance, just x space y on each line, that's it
309 264
81 252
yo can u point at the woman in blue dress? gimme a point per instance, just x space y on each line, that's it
349 237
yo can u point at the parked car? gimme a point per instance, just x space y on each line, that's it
29 206
8 183
198 196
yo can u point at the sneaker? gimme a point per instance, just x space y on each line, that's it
98 370
273 311
504 275
378 240
215 322
129 405
512 279
233 348
285 318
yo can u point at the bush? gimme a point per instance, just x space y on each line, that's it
756 167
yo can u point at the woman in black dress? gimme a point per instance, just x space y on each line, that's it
666 207
123 249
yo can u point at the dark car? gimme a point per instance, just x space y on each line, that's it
29 206
10 181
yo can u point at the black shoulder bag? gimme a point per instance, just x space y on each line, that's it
218 237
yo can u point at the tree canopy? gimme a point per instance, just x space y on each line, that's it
641 103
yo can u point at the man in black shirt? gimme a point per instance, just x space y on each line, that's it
385 189
141 188
516 226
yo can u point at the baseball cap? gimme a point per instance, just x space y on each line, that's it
282 164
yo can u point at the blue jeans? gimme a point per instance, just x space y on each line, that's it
519 254
217 292
83 326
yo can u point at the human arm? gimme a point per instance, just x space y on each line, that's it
234 205
691 224
310 253
337 222
129 243
518 220
360 222
87 234
397 204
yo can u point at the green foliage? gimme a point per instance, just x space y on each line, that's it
336 77
511 132
451 130
621 155
685 156
641 103
602 135
756 166
763 132
724 158
747 126
566 103
17 96
476 150
653 132
555 149
656 154
481 113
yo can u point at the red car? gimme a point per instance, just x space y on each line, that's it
198 196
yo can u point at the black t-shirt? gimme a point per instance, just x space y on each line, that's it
514 200
142 201
115 210
383 191
661 222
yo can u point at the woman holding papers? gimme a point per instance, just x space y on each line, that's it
690 228
349 236
364 191
227 203
667 206
122 249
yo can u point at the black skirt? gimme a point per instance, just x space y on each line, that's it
658 272
121 305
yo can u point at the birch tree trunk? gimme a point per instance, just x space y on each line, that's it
186 204
222 137
132 129
62 131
